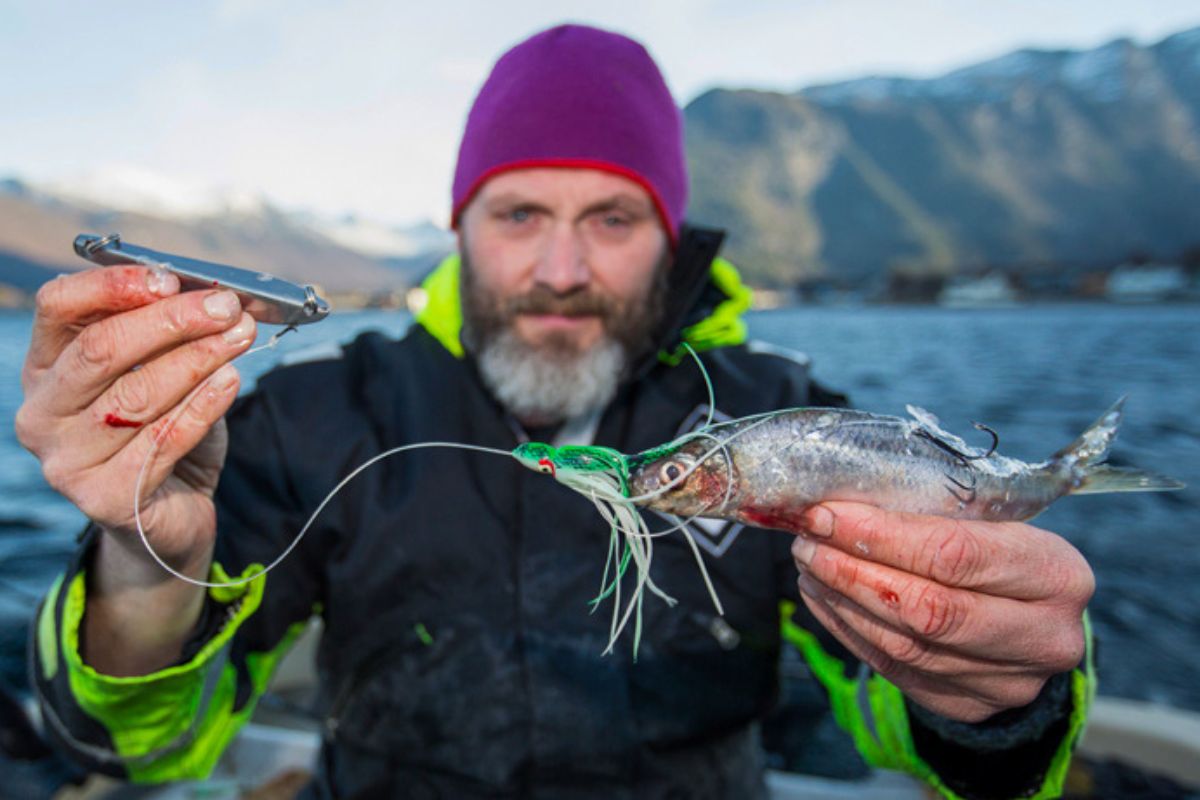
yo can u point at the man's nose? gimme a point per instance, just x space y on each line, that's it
562 266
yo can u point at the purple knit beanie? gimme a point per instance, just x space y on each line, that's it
574 96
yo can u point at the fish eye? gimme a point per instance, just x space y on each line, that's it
670 472
546 466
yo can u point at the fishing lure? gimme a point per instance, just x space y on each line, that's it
265 297
767 469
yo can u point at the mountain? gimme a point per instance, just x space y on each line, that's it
1039 160
383 240
38 225
130 188
1038 157
408 251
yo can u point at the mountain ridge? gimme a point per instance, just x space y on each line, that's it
38 227
1036 157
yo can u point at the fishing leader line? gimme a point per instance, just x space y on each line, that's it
161 435
618 510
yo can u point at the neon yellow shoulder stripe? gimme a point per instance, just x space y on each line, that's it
442 313
724 326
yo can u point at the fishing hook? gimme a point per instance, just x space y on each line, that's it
961 458
964 461
968 488
979 426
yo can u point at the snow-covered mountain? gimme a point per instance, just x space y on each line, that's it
133 189
1119 69
38 222
381 240
137 190
1036 160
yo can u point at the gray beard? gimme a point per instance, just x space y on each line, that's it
554 381
540 387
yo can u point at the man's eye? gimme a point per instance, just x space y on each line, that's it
519 215
615 221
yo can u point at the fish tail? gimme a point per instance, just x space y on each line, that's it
1084 459
1103 478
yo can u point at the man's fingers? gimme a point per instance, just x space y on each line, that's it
978 625
908 602
945 682
70 302
937 695
146 394
106 350
1006 559
91 488
173 436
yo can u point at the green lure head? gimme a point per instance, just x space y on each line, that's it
572 461
602 475
537 457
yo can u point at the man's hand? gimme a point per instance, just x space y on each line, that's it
967 618
116 354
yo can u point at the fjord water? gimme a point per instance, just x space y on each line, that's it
1038 375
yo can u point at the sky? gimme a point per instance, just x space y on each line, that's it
357 106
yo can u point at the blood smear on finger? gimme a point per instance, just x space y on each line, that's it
889 597
113 421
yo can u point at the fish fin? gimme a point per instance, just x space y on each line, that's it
926 418
1085 457
1103 478
1091 448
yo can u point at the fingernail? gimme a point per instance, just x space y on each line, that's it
242 332
809 586
225 377
161 282
804 550
818 521
222 305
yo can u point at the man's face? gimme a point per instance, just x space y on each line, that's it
562 277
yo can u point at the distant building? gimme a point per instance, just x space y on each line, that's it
986 291
1146 283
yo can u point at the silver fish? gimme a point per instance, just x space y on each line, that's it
765 470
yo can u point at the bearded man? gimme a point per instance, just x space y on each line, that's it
458 659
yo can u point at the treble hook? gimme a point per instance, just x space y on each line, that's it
963 460
979 426
968 488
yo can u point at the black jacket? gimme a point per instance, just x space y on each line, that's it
459 650
459 658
